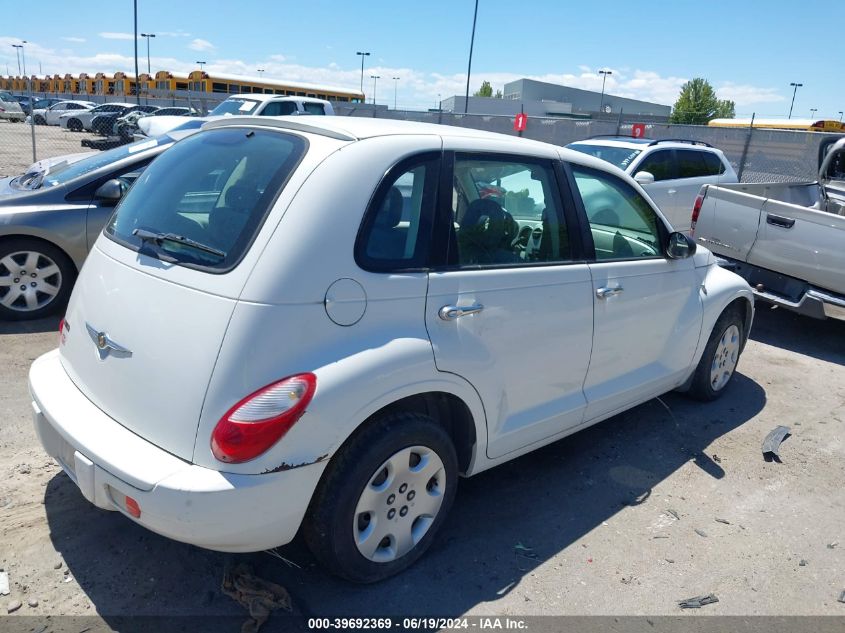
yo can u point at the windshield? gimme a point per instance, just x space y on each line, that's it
619 156
234 106
202 201
65 171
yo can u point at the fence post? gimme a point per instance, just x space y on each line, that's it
745 149
32 119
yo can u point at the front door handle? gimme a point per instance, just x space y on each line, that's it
604 293
672 192
779 220
450 313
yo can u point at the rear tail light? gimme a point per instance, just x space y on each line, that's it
64 328
261 419
696 209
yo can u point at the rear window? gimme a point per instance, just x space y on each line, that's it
234 106
619 156
201 203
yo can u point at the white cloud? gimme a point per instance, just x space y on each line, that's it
116 36
201 45
176 33
745 95
78 40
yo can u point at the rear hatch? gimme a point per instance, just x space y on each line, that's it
152 304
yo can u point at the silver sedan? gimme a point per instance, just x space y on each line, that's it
51 216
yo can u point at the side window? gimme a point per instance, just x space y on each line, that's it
314 108
622 223
659 164
279 108
396 231
505 212
691 164
714 164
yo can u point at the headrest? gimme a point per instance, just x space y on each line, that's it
390 213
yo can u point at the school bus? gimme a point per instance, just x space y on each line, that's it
801 125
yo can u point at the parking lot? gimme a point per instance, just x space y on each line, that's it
667 501
16 145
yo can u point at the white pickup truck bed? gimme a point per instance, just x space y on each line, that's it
791 253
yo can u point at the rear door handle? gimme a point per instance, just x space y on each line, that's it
672 192
779 220
450 313
604 293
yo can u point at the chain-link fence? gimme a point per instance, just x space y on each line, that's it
757 155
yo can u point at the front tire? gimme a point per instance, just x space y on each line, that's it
718 364
383 498
40 120
74 125
36 279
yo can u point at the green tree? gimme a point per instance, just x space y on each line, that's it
486 90
498 94
697 104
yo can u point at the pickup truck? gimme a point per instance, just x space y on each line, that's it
786 240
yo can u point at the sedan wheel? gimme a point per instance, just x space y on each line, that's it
383 497
35 280
721 355
399 504
725 359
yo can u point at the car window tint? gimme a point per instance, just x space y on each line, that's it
660 164
622 223
397 227
215 188
279 108
506 212
691 164
314 108
714 164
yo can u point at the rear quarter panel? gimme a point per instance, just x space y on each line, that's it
728 221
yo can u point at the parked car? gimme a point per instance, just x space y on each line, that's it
786 239
81 119
671 171
127 125
10 110
50 217
245 104
289 322
26 102
49 115
106 123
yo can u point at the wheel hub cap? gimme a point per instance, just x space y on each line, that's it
28 281
399 504
725 358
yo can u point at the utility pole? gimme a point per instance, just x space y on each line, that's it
148 36
795 88
395 88
135 38
375 79
604 74
17 48
469 65
363 55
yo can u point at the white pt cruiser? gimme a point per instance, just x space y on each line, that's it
321 325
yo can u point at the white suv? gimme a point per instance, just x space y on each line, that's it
671 171
323 322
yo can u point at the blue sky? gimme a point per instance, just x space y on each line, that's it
750 51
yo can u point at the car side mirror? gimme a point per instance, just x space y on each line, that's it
644 177
110 192
680 246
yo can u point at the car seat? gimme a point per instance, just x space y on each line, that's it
486 234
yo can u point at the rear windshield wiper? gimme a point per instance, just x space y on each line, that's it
158 238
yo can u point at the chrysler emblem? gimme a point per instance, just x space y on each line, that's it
105 345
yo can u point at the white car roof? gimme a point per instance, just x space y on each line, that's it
261 98
640 144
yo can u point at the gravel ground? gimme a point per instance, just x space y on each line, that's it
650 507
16 145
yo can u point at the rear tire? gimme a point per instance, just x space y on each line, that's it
40 120
74 125
718 363
36 279
383 498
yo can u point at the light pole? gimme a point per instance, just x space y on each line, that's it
375 79
840 116
604 74
148 36
200 64
395 89
29 89
17 48
813 112
260 72
135 33
795 88
363 55
469 65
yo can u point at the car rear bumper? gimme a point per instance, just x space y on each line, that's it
179 500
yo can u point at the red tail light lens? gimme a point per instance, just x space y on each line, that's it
261 419
696 209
